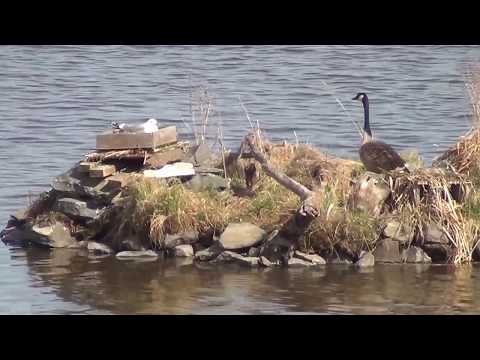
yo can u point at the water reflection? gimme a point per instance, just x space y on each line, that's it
170 286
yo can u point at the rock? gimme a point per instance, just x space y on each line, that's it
99 248
437 252
249 261
185 238
433 234
74 183
241 235
233 257
253 252
296 262
198 247
366 259
209 253
339 261
369 193
85 210
387 251
226 256
184 251
399 232
313 258
265 262
136 254
55 236
203 182
160 159
79 245
415 255
199 155
131 244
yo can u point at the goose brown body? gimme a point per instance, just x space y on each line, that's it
378 156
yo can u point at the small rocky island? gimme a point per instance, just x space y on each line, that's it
266 204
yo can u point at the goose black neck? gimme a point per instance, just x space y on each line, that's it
366 126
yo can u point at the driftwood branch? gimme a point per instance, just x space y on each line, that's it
279 248
280 177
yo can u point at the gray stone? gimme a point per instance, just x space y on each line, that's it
313 258
85 210
439 253
433 234
73 183
265 262
184 251
136 254
369 193
131 244
253 252
387 251
55 236
209 253
339 261
99 248
296 262
233 257
226 256
79 245
399 232
366 259
242 235
249 261
199 155
186 238
203 182
415 255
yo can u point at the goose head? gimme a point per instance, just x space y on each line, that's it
360 97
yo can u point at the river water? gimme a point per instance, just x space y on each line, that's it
54 99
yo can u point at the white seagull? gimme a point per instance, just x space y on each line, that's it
150 126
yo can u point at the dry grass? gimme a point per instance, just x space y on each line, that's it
431 195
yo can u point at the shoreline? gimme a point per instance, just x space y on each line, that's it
233 209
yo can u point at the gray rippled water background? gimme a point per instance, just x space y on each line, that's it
54 99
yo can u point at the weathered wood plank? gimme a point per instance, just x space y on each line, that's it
84 166
164 136
102 171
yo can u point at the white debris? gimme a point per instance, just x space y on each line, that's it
171 170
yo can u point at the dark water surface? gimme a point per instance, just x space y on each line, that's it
54 99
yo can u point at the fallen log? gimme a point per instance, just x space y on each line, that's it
278 248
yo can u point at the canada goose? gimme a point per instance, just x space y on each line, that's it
376 156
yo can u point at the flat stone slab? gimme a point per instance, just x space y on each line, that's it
99 248
296 262
313 258
77 208
136 254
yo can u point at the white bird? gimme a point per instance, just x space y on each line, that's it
150 126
